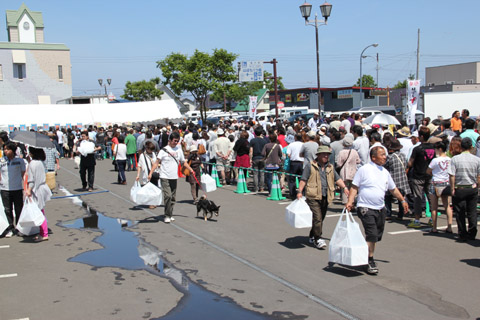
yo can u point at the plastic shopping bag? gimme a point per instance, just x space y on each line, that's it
208 183
133 192
149 195
28 231
86 147
76 161
298 214
348 245
31 215
3 219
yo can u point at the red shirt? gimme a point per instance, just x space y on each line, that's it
281 139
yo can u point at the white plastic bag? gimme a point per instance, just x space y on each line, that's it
86 147
298 214
31 215
348 245
133 192
208 183
28 231
149 195
76 161
3 219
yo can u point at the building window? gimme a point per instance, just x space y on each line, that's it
60 72
469 81
19 71
1 73
449 82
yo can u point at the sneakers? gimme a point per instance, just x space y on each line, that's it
9 234
311 240
372 267
320 244
172 219
414 224
167 220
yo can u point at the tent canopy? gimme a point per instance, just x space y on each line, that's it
88 113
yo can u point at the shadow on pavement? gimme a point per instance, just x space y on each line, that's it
297 242
472 262
345 271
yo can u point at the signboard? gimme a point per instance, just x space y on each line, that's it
23 127
345 94
79 125
45 126
252 107
382 93
11 128
302 97
280 104
34 127
413 91
250 71
288 98
69 126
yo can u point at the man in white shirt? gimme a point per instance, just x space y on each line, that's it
403 136
296 164
60 142
313 122
346 123
222 151
370 183
361 144
168 159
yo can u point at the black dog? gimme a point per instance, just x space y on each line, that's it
208 207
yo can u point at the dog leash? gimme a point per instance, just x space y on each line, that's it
195 177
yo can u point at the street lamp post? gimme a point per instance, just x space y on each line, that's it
361 82
305 10
100 82
376 68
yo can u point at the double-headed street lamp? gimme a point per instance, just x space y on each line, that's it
100 82
361 80
305 10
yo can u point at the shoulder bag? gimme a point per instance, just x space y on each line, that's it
155 175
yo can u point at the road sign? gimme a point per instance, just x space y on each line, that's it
251 71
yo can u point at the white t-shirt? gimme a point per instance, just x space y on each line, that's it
373 182
440 168
121 150
293 151
11 174
60 137
168 165
146 167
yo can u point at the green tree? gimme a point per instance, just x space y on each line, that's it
200 75
239 91
403 84
142 90
367 81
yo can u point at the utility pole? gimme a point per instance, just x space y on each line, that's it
418 54
377 71
274 62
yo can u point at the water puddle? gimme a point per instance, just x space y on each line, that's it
123 249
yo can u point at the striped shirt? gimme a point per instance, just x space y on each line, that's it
396 164
466 168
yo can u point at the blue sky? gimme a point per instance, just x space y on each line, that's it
123 39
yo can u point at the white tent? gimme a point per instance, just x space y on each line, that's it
62 114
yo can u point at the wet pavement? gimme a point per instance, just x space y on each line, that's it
122 249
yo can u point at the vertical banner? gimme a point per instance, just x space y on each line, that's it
413 91
79 126
11 128
23 127
45 127
253 107
34 127
69 126
57 126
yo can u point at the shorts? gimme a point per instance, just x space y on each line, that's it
373 222
440 189
222 164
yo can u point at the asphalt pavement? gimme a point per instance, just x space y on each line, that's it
248 259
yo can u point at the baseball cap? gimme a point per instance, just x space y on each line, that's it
311 134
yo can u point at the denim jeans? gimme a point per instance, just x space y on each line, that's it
131 162
121 170
258 177
269 177
109 150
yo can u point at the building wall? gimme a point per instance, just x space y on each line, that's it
39 35
41 77
13 35
458 73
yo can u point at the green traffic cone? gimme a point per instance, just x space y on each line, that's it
215 176
296 182
241 183
248 174
276 192
428 214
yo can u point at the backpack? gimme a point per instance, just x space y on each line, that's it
201 149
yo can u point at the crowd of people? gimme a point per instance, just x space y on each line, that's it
418 165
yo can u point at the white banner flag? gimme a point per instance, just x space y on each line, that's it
413 91
253 107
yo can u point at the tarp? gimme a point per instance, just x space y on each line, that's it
87 113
